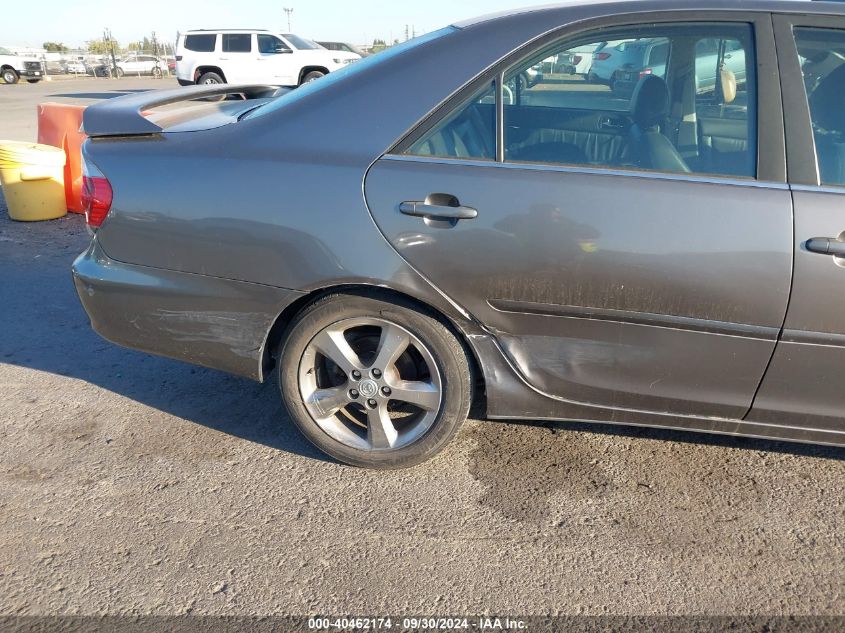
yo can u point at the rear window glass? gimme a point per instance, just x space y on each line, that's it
200 43
237 43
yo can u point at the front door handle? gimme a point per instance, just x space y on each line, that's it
826 246
425 209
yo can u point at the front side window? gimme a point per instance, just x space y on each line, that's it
822 53
676 98
270 44
301 43
237 42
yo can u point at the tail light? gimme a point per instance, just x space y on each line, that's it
645 72
96 195
600 57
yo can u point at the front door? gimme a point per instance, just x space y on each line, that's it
804 386
618 257
276 61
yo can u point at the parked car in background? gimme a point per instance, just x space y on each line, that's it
343 47
13 67
140 65
641 58
76 66
55 67
239 56
607 57
649 57
101 68
418 234
583 58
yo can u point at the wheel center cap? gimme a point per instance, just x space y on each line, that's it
368 388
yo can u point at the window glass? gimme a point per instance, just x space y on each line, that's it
822 54
671 98
269 44
301 43
237 42
201 43
469 132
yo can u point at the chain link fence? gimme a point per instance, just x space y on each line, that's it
156 60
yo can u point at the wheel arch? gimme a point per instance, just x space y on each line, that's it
199 71
278 331
307 69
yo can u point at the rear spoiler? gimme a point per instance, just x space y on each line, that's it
122 116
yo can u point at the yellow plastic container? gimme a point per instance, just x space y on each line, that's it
32 177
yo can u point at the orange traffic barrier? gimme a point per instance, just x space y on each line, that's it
58 125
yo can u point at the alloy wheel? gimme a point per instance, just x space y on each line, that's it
370 384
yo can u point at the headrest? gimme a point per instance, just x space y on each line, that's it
728 86
828 102
650 103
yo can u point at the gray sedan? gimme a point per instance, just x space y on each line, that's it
425 229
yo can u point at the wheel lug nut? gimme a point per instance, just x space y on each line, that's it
386 391
353 393
372 403
376 373
356 375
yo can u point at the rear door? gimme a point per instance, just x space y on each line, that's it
236 58
804 386
609 277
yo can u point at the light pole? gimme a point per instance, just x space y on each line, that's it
289 10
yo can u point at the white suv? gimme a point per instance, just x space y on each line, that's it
251 56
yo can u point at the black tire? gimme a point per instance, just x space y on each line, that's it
314 75
32 81
156 72
119 72
448 354
210 78
10 76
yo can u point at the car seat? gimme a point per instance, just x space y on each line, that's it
650 108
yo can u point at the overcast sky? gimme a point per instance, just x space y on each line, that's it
72 22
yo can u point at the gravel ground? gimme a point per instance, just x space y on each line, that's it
131 484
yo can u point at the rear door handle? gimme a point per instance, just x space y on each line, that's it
437 211
826 246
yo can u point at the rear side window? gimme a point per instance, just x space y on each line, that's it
822 53
237 42
204 43
469 132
